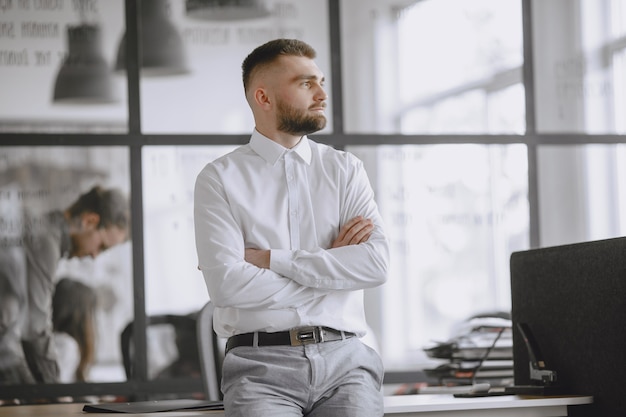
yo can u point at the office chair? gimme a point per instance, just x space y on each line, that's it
210 351
183 327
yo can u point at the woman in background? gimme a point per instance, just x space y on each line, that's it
73 310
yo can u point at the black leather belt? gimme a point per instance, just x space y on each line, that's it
294 337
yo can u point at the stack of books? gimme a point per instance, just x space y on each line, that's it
482 352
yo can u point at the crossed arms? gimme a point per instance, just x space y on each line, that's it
356 231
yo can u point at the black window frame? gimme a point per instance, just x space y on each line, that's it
135 139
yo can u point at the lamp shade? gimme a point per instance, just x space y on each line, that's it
162 49
225 9
84 76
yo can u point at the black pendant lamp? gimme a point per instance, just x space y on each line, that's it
225 10
162 49
84 76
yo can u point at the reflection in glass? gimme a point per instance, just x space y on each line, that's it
74 326
54 52
84 76
578 63
226 9
581 193
64 220
619 69
174 285
435 66
210 99
172 347
162 49
454 214
175 288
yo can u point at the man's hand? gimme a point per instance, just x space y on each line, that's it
356 231
258 257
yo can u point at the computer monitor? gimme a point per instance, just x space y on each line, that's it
573 300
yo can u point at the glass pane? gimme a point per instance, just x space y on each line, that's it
435 66
56 69
579 67
454 214
581 193
173 283
202 91
86 296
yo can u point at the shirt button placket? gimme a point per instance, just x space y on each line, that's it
292 193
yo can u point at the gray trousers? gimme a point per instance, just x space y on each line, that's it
330 379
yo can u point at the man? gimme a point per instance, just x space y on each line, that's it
98 220
288 235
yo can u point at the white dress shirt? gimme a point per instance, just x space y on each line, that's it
292 202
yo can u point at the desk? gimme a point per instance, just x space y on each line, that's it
445 405
396 406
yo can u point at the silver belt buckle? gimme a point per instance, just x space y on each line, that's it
305 335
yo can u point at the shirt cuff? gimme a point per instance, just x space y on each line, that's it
280 261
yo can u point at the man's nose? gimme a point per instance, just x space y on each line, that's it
321 94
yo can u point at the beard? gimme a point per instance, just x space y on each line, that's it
296 122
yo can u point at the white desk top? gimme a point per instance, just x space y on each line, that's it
423 405
446 403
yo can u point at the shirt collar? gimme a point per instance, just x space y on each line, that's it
272 151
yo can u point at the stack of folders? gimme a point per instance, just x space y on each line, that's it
481 353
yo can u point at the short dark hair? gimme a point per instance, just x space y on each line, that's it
110 204
269 52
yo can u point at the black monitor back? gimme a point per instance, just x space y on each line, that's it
573 298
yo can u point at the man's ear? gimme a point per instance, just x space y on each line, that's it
89 220
261 98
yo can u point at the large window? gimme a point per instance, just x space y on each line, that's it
580 79
454 212
485 126
173 282
476 89
203 84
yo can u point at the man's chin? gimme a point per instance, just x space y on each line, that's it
320 126
310 132
311 125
